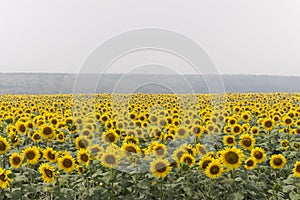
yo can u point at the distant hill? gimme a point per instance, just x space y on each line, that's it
53 83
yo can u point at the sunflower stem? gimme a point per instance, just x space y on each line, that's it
161 189
58 187
112 185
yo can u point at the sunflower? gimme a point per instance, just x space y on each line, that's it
130 149
254 130
21 127
268 124
287 120
14 139
277 161
178 153
110 159
229 140
82 142
258 154
110 137
159 150
96 150
83 156
80 169
250 163
246 116
204 162
48 173
247 141
4 145
296 169
181 132
36 137
4 178
50 155
160 167
214 169
131 139
201 149
232 157
16 160
66 163
236 129
47 131
188 159
32 155
284 144
60 137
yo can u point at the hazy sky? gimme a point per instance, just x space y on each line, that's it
253 37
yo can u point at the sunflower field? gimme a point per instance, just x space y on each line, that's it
150 146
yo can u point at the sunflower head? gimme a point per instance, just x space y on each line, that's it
32 155
66 163
250 163
232 157
160 167
247 141
214 169
16 160
296 169
277 161
48 173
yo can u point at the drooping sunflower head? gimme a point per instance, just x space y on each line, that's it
50 155
160 167
201 149
232 157
48 173
277 161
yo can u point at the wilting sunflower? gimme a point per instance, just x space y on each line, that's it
250 163
160 167
50 155
229 140
4 145
232 157
83 156
201 149
277 161
82 142
110 137
204 162
4 178
66 163
247 141
110 159
259 154
48 173
16 160
188 159
32 155
214 169
296 169
47 131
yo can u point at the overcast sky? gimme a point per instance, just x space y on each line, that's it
252 37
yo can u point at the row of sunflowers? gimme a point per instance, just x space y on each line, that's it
150 146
